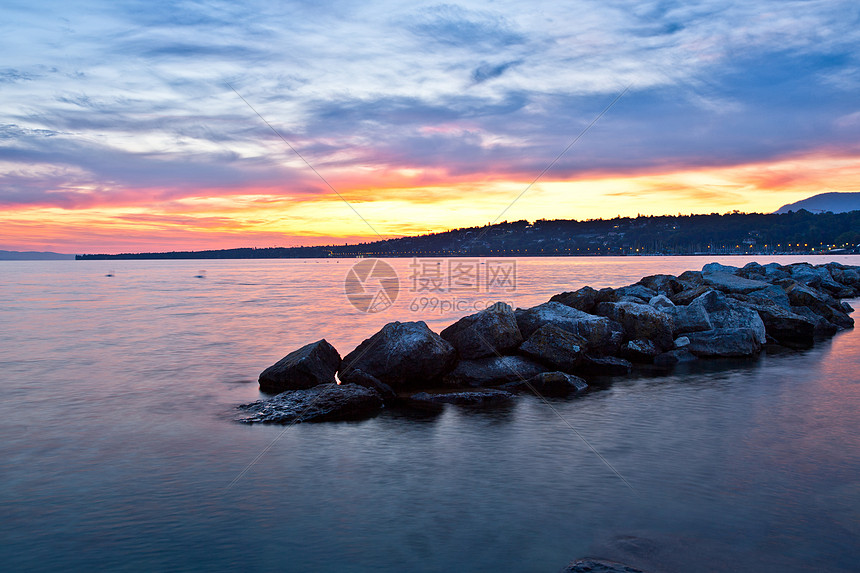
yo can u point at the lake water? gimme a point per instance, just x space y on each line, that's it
119 452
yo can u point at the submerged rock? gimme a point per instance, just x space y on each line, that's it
491 331
605 365
403 355
311 365
493 371
323 403
589 565
551 384
488 397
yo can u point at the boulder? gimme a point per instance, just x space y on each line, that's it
322 403
494 330
555 347
823 327
667 285
692 318
362 378
729 283
687 296
604 365
403 355
682 341
729 313
752 271
714 268
640 351
786 327
724 342
600 334
311 365
819 302
775 271
769 294
690 279
661 302
640 321
583 299
493 371
549 384
672 357
488 397
639 292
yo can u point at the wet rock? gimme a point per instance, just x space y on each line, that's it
555 347
604 365
550 384
672 357
599 332
818 302
311 365
589 565
640 321
642 351
491 331
403 355
724 342
786 327
493 371
488 397
322 403
362 378
583 299
823 327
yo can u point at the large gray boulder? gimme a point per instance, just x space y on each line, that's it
730 283
311 365
691 318
493 371
818 302
687 296
823 327
714 268
635 293
667 285
640 321
555 347
494 330
323 403
724 342
600 334
786 327
639 350
768 295
403 355
550 384
729 313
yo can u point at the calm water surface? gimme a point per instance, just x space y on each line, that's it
118 451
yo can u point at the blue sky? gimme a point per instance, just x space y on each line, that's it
117 118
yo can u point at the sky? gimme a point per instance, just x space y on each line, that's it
130 126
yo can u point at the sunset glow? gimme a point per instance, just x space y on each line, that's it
122 131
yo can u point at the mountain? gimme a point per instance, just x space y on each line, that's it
823 202
33 256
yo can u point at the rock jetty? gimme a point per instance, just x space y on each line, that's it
486 358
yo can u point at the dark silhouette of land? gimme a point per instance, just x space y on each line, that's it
798 232
834 202
33 256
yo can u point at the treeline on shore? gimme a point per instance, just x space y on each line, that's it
798 232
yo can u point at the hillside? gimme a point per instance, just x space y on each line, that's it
824 202
33 256
733 233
